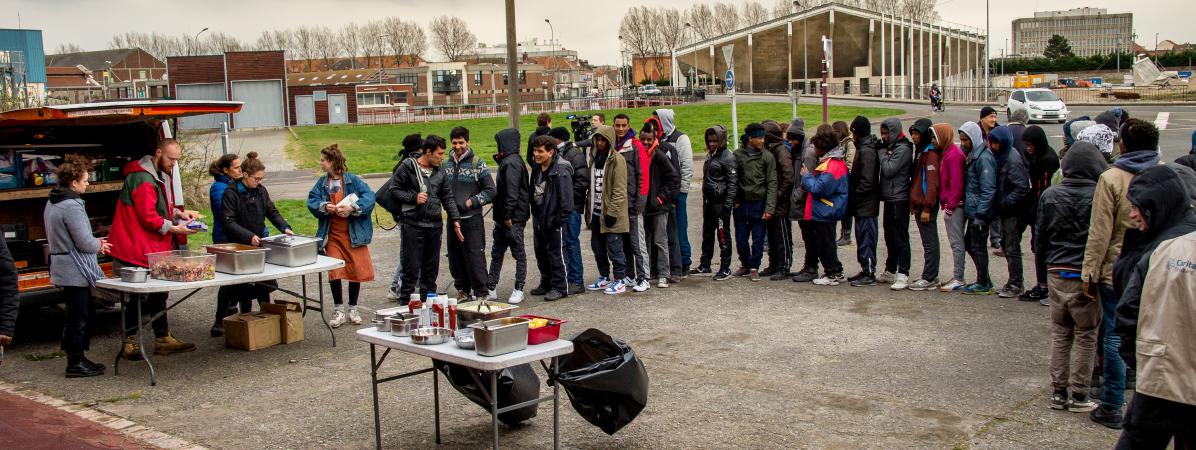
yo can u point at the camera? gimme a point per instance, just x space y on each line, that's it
582 129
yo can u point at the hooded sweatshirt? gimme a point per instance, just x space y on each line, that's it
73 248
864 192
896 163
1064 210
511 197
1111 214
980 180
924 192
720 179
803 154
951 178
663 179
1043 162
1013 182
471 180
774 142
611 185
681 145
637 161
144 214
826 188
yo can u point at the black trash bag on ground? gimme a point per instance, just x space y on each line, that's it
515 385
607 384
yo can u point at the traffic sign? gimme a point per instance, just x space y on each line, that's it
730 79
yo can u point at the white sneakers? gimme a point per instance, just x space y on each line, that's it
493 295
598 285
952 286
354 317
924 285
829 280
900 281
642 285
662 282
615 288
516 297
338 319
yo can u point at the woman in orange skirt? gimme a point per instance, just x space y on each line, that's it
345 228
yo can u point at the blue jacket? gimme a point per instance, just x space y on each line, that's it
980 177
215 197
826 189
361 225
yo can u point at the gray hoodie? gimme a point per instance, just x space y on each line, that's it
69 230
896 163
681 143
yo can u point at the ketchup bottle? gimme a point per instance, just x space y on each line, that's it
451 311
414 304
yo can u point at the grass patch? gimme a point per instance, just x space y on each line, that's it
45 356
296 213
371 148
135 395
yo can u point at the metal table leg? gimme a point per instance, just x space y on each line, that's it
556 412
320 287
436 398
141 345
120 349
374 385
494 405
303 289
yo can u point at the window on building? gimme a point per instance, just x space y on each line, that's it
505 79
373 98
399 97
477 78
407 78
522 77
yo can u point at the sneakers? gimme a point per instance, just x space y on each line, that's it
924 285
1010 291
754 275
576 289
1035 294
167 345
1109 416
354 317
722 275
805 276
952 286
843 241
857 276
675 279
1059 399
615 288
900 282
780 274
599 285
132 350
662 283
978 289
701 271
492 295
767 272
540 290
866 280
553 296
742 272
885 277
1045 302
1081 403
641 286
217 329
393 296
338 319
516 297
829 280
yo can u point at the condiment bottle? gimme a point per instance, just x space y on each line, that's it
414 304
434 302
452 315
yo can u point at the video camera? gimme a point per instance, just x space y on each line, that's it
582 129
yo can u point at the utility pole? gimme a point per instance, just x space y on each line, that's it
987 32
551 35
512 68
195 40
826 60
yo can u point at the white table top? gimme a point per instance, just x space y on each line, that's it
449 352
272 272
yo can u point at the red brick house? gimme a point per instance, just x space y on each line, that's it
257 78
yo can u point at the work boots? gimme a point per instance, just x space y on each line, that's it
167 345
132 350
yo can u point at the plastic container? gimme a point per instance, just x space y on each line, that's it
182 266
547 333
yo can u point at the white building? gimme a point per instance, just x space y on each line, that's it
1090 31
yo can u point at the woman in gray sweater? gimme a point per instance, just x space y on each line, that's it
73 265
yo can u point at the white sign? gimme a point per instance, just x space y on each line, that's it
727 50
100 112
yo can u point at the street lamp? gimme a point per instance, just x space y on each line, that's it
805 71
693 70
195 40
551 35
622 62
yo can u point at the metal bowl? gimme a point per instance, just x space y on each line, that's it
382 325
134 274
431 336
464 338
402 324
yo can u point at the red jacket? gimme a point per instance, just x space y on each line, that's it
142 221
924 192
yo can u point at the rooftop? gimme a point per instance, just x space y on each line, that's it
334 77
95 60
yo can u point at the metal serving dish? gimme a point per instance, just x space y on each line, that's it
464 338
134 274
431 336
470 312
238 259
402 324
383 313
291 251
500 336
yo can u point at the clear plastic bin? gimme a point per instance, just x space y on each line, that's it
182 265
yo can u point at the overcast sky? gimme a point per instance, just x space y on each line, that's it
592 31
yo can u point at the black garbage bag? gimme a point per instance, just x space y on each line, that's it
607 384
515 385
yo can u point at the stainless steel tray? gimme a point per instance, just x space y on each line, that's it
238 259
500 336
291 251
468 313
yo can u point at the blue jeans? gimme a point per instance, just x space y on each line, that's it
683 231
572 232
1114 369
750 223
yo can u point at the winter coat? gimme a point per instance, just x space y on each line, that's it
616 186
511 198
1018 130
864 189
556 203
637 172
896 163
1155 314
244 212
774 142
924 191
144 214
664 182
409 182
1065 209
361 225
980 180
579 172
9 303
1111 215
720 179
69 229
826 188
216 200
1013 180
951 168
471 180
757 177
848 144
1044 162
681 144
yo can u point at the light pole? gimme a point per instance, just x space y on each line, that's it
622 62
512 67
805 64
195 40
551 36
987 31
694 70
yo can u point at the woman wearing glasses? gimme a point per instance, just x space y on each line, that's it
345 228
244 209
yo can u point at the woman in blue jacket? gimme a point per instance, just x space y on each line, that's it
225 171
344 230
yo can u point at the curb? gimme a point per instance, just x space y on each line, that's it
126 427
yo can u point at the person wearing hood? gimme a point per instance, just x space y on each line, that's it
636 246
144 223
979 203
1018 122
843 133
924 198
73 267
951 190
579 170
412 144
1013 188
473 189
1062 222
411 149
662 191
511 211
755 203
552 202
684 152
676 268
826 201
720 187
610 188
1103 137
988 121
1107 232
863 199
1043 163
804 156
224 170
896 171
1156 314
780 229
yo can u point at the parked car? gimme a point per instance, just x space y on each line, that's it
1040 105
648 90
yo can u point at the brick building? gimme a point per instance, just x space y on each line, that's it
336 97
123 73
257 78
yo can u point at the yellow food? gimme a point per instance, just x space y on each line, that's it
537 323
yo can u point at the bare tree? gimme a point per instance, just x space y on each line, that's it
753 13
782 8
669 24
304 40
67 47
327 48
373 43
920 10
451 36
221 42
416 42
638 34
726 18
275 40
701 18
350 41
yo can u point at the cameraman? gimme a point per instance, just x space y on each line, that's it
596 120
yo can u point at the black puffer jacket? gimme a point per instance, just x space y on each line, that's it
720 182
579 170
774 141
557 203
1065 209
511 199
9 305
664 182
244 212
409 182
1013 177
1043 163
863 197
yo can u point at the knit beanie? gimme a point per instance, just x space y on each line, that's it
986 111
560 133
861 126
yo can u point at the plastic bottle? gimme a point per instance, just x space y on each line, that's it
452 315
434 303
414 304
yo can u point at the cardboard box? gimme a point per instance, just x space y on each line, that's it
291 319
252 331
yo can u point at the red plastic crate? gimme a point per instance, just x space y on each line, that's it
547 333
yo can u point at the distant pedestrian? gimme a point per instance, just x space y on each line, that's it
662 191
1043 163
720 188
636 246
896 172
780 228
755 204
511 211
1013 188
803 156
423 187
473 189
924 199
345 229
552 202
683 149
412 144
864 199
826 201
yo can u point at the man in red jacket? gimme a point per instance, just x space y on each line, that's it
144 222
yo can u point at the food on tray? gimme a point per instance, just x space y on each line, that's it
185 270
540 322
477 306
197 225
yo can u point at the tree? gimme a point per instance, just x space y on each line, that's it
327 47
637 33
753 13
221 42
405 39
416 42
1057 47
67 47
726 18
782 8
373 43
349 38
451 36
304 41
275 40
701 18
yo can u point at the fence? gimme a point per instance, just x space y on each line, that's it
978 94
391 115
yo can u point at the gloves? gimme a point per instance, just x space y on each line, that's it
609 221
